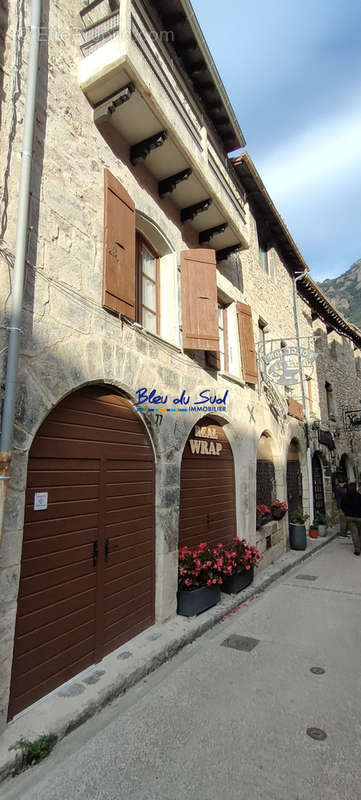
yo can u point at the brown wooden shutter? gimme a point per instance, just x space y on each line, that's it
246 340
294 409
119 248
199 300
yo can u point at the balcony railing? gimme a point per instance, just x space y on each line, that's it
101 23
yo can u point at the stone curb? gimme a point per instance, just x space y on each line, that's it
54 716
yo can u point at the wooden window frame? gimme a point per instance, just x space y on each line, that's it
222 306
140 240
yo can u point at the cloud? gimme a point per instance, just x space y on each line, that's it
316 157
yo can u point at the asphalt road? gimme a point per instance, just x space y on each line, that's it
218 722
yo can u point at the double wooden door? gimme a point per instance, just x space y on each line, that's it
87 574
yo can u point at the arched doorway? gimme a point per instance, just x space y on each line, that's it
294 477
87 571
317 478
207 491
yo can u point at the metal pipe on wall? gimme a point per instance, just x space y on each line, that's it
14 327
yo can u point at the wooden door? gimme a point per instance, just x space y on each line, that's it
207 492
87 573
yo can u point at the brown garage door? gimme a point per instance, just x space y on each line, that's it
87 574
208 497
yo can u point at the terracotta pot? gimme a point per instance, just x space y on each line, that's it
313 533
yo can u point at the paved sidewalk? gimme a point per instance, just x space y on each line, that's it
72 704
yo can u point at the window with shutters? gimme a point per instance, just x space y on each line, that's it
199 300
147 305
119 249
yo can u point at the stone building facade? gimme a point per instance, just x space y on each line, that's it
131 176
335 417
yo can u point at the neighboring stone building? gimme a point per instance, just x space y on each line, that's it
153 261
336 414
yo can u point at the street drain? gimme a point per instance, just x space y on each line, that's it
316 733
237 642
307 577
317 670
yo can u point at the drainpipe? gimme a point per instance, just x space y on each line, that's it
305 402
20 255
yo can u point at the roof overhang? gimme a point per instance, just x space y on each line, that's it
186 42
271 220
326 311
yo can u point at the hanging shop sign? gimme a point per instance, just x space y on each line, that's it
326 438
282 366
352 419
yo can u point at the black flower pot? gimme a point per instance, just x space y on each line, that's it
298 538
266 519
277 513
235 583
194 601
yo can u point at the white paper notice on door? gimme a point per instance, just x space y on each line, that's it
40 501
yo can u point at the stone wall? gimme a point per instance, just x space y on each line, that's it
337 364
69 340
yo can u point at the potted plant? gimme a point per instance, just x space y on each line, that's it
199 578
322 524
313 531
239 560
297 530
263 515
314 528
278 509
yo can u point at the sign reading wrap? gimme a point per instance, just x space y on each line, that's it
203 447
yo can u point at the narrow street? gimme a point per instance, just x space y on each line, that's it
222 722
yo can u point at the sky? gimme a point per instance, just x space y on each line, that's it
292 69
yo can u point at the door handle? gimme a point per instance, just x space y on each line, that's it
106 549
95 553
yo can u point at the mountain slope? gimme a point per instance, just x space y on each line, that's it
345 292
